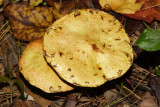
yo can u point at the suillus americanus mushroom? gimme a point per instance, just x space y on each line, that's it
36 70
87 48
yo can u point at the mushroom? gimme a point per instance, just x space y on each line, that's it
88 47
36 70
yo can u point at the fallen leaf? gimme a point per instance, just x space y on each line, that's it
27 103
110 94
149 11
61 8
34 3
26 23
57 14
129 23
154 83
71 101
85 4
67 6
121 6
148 100
1 2
96 4
149 40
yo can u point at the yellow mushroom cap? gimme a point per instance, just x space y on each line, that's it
36 70
88 47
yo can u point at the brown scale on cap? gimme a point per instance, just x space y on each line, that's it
60 54
119 72
100 68
86 82
95 74
95 48
72 76
76 13
104 77
69 69
60 27
102 17
91 11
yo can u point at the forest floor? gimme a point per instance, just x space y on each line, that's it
139 87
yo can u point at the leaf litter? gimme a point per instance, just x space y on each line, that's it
85 96
26 23
149 11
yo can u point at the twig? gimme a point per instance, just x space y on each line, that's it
5 38
11 90
60 3
1 99
15 56
9 65
4 25
128 94
129 83
146 25
151 7
134 103
4 46
142 69
4 32
83 105
136 79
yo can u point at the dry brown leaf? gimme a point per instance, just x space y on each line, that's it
148 100
110 94
85 4
149 11
1 2
27 103
67 6
71 101
34 3
121 6
26 23
96 4
57 14
40 99
154 83
61 8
